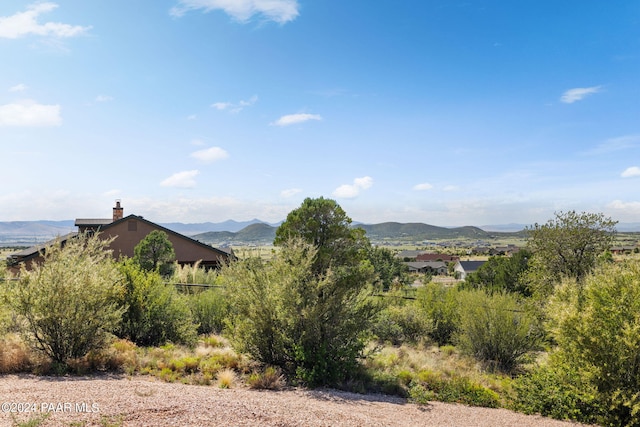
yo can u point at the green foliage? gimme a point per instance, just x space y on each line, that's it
69 302
154 311
502 274
209 308
557 390
391 271
325 225
569 244
313 327
440 307
400 323
597 329
496 329
155 253
453 389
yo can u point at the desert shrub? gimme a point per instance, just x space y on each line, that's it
597 329
270 378
209 309
154 312
69 302
453 389
401 323
284 315
557 390
440 307
496 329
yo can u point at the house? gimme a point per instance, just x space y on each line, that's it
432 267
463 268
426 256
128 232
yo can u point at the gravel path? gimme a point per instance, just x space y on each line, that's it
143 401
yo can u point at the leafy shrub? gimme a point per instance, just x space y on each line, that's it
455 389
597 328
154 311
440 307
496 329
401 323
209 309
312 327
69 301
559 391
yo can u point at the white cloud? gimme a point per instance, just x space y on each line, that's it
18 88
450 188
184 179
210 155
104 98
422 187
616 144
631 172
292 119
235 107
577 94
629 208
280 11
30 114
290 192
25 23
350 191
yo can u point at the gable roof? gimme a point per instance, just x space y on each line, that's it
113 224
471 266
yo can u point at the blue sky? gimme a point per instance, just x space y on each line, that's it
442 112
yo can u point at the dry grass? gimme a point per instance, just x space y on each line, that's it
15 355
226 378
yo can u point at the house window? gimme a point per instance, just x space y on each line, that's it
133 225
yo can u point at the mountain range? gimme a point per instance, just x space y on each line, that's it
26 233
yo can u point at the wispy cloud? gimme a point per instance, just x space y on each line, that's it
280 11
210 155
579 93
422 187
292 119
30 114
184 179
350 191
235 107
616 144
451 188
290 192
632 172
104 98
18 88
26 23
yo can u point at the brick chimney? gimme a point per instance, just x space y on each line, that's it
118 211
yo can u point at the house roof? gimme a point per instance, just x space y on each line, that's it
33 251
470 266
85 222
105 224
168 231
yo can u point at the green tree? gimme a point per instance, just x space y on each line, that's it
69 302
500 274
312 326
391 271
569 244
155 253
598 334
325 225
154 312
